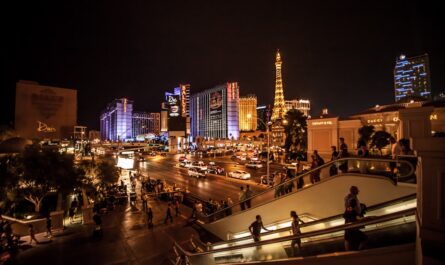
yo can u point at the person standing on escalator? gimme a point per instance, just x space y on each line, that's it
255 228
296 232
355 239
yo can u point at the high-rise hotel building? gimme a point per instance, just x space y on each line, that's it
412 78
302 105
247 113
214 112
116 120
146 123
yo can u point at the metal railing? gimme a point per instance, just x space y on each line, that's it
316 222
393 170
340 228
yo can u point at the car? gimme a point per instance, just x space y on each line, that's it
239 174
211 163
254 158
196 172
254 164
215 170
242 157
182 158
199 164
141 158
152 153
185 164
267 181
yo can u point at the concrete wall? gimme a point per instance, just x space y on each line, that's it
20 227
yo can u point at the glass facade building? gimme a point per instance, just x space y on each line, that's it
247 113
263 113
116 120
145 123
214 112
412 78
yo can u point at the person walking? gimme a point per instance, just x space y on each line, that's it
255 228
343 154
229 203
176 207
144 202
168 214
315 175
363 152
49 234
296 232
242 198
98 222
32 235
149 218
71 214
396 151
333 170
276 183
249 195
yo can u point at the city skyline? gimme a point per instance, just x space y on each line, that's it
144 57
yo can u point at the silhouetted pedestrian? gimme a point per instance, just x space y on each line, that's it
168 214
255 228
32 235
242 198
176 207
98 222
249 194
295 231
49 234
150 218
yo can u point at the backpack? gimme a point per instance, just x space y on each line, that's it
320 161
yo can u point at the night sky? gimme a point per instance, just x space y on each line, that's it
339 56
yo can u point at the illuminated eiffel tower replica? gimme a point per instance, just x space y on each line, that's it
279 108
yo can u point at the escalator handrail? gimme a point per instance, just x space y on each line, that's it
284 229
329 230
296 178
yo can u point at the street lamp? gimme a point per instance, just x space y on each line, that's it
268 146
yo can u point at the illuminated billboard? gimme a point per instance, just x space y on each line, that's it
174 105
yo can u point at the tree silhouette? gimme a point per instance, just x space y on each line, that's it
365 133
107 173
44 171
379 140
296 131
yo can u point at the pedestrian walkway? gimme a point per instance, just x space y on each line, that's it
126 239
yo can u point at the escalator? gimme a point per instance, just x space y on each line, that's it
375 178
384 232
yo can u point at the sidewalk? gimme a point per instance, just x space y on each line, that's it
126 239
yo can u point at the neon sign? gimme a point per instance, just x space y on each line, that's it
316 123
43 127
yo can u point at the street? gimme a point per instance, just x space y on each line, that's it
215 187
